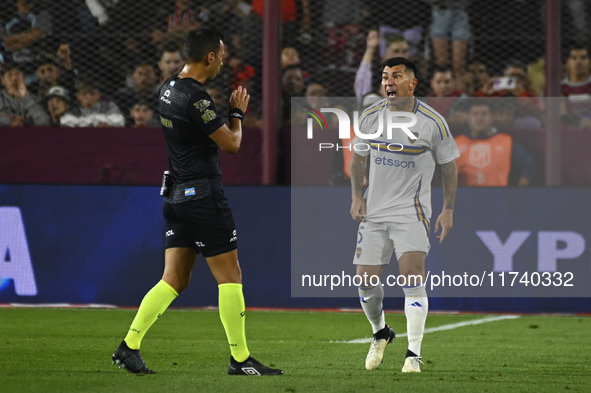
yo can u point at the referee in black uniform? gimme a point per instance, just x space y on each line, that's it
198 218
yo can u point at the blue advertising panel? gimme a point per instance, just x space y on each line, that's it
506 242
105 244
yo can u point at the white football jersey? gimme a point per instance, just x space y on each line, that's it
401 168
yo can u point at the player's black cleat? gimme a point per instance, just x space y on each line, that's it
130 360
250 367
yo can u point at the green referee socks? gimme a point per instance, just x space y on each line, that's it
231 304
154 304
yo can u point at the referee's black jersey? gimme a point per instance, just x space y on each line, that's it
188 117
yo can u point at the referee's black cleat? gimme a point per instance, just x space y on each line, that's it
250 367
130 360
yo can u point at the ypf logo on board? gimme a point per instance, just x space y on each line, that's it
15 260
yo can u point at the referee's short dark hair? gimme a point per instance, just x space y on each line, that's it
394 61
200 42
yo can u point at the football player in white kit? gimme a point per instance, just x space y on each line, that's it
395 213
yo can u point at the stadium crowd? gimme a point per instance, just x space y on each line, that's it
100 63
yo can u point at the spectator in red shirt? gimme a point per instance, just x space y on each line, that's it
443 89
520 87
475 78
530 110
577 88
178 24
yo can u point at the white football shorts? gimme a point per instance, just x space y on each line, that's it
377 241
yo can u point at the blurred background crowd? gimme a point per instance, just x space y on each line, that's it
100 63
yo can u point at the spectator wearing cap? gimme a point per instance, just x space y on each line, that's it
58 103
54 70
17 106
23 36
144 82
142 113
92 110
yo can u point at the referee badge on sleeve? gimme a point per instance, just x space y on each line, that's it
358 252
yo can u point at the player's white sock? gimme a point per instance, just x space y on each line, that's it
416 306
371 299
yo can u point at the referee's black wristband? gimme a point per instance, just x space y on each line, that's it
236 113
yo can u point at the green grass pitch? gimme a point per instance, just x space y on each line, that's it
65 350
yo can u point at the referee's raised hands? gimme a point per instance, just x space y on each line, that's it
239 99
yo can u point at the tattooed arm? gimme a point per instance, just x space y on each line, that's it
358 168
449 177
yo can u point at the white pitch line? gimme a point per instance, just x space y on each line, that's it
437 329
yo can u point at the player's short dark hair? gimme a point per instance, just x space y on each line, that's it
200 42
479 102
443 69
394 61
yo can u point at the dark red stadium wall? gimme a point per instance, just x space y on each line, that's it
575 158
137 156
133 156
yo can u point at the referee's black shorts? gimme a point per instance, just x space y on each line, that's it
204 223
